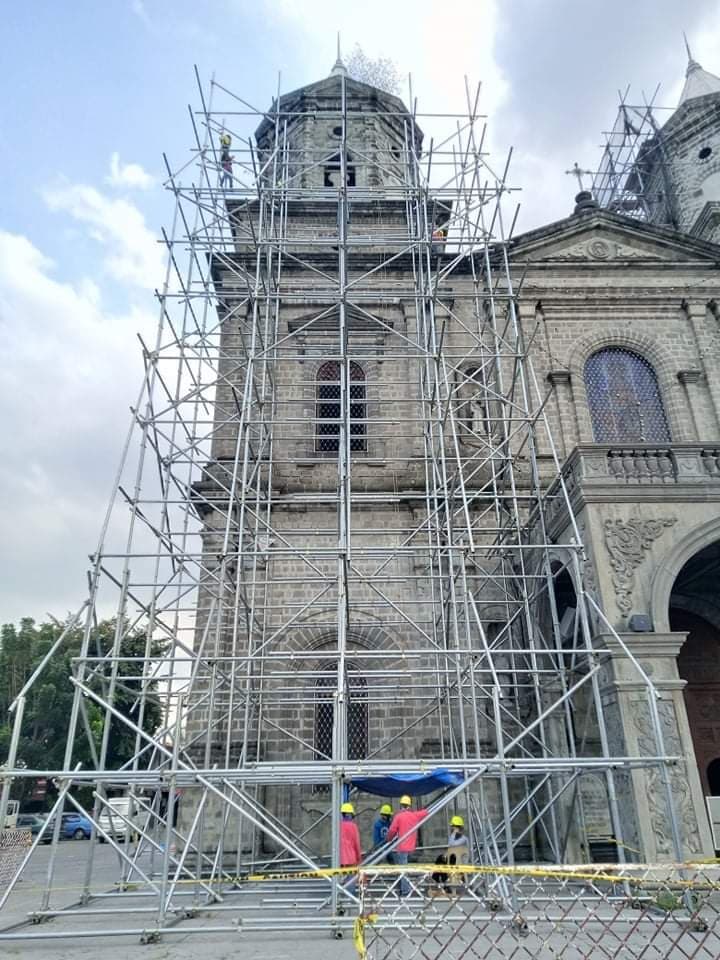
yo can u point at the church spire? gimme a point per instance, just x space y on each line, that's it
339 69
698 82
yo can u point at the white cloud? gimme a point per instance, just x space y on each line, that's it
129 176
132 253
138 8
75 370
436 43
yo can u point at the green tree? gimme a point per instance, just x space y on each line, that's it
44 731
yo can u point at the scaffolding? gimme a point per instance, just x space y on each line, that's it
342 527
635 177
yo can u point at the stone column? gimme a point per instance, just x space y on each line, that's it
625 694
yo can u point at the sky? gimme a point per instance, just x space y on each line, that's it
96 93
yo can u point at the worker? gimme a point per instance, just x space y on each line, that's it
405 820
457 832
350 849
381 827
226 161
457 849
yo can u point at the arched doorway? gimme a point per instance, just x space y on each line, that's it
695 609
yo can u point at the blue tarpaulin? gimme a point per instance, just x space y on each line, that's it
413 784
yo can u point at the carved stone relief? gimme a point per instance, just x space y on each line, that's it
605 249
656 793
627 543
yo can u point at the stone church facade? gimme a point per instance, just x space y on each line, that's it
629 348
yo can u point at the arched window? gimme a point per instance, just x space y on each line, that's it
624 398
329 407
357 716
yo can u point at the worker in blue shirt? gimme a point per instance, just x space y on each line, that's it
381 827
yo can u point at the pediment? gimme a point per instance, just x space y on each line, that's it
604 238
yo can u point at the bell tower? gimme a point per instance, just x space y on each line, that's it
678 168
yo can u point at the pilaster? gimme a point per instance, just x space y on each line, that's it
627 694
700 316
690 379
560 380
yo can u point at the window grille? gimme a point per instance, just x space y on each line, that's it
329 408
356 711
624 398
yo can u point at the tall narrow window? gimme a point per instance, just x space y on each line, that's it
357 716
624 398
329 407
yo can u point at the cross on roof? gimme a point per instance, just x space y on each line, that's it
577 172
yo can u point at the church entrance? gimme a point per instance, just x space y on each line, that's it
695 608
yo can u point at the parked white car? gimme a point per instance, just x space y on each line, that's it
114 818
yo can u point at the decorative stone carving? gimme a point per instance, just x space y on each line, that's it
625 252
627 542
679 786
599 249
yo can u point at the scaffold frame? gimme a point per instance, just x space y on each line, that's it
200 535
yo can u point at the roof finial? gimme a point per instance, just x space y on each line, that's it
339 70
698 82
692 63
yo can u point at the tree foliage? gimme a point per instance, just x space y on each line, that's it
381 72
44 732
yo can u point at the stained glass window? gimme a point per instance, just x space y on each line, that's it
329 410
624 398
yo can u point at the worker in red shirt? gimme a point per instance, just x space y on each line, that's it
350 849
405 819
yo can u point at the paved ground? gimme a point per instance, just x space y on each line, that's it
465 929
180 945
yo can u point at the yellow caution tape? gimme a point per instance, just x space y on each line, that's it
359 932
603 872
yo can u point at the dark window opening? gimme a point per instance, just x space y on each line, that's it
713 776
329 408
333 172
356 714
337 131
705 153
624 398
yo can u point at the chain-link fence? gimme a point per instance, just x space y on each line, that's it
563 913
14 844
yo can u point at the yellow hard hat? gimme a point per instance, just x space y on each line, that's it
347 808
225 139
457 822
405 801
386 809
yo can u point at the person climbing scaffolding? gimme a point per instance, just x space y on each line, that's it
226 161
